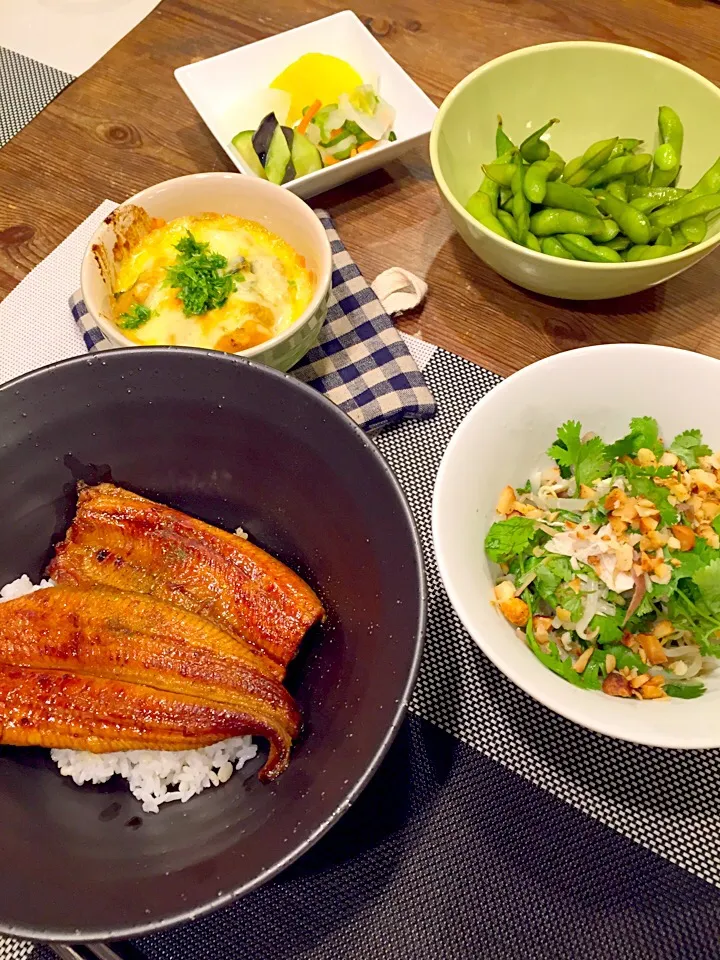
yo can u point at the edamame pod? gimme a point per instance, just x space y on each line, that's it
618 243
606 230
709 182
633 222
536 179
508 221
618 189
664 238
559 165
547 222
666 194
583 249
599 153
533 148
694 230
492 189
503 143
520 206
645 252
532 242
633 163
501 173
685 209
480 207
565 197
553 248
667 155
623 146
571 167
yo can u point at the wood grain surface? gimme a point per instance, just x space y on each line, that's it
126 124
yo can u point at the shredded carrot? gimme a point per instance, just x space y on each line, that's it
367 145
335 133
330 160
353 152
309 114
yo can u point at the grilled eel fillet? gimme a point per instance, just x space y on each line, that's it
123 540
99 669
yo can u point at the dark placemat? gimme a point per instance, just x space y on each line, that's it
448 853
26 87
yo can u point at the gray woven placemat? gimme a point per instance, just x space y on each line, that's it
26 87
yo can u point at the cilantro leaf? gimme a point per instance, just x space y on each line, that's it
689 446
640 484
610 628
586 460
686 691
707 580
549 574
643 434
197 276
506 538
137 316
570 601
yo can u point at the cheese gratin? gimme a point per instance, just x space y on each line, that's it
212 280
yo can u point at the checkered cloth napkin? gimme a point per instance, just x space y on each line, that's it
361 362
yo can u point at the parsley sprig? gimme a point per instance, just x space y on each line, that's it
199 277
137 316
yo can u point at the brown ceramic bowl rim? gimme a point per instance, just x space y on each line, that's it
328 409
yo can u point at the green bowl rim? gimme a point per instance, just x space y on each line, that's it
704 245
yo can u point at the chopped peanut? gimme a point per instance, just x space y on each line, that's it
652 647
505 503
658 681
662 574
646 458
707 533
587 493
711 509
680 491
542 626
616 685
674 544
651 692
618 526
562 614
610 663
663 628
624 557
583 660
616 498
684 535
575 584
668 459
639 681
504 591
649 523
703 480
679 668
516 611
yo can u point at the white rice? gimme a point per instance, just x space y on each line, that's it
154 776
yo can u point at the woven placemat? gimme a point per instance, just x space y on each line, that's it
26 87
449 854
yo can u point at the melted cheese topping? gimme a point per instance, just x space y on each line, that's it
273 285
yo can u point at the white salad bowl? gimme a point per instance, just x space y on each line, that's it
502 441
224 193
229 92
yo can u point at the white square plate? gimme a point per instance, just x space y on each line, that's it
228 91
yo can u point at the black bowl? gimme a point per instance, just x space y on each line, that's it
237 445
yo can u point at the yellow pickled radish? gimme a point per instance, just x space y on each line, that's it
315 76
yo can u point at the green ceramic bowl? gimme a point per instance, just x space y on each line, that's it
597 90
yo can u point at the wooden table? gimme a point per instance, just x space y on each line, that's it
126 124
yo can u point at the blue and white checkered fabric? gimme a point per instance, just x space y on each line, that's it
360 362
